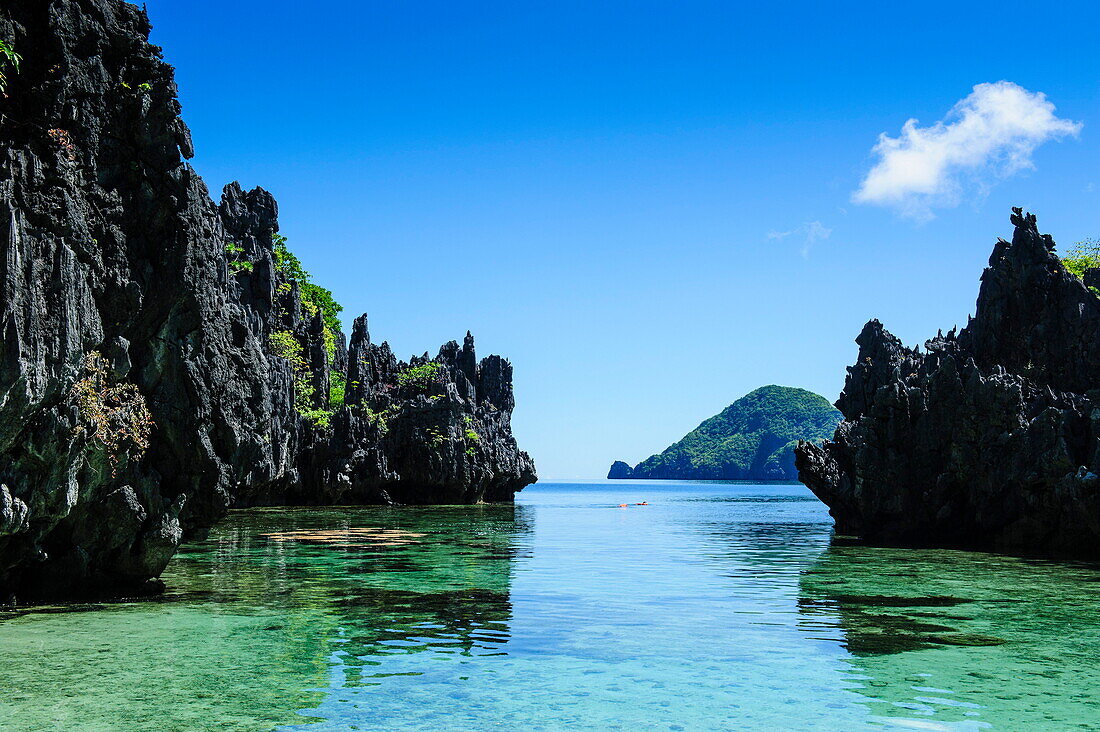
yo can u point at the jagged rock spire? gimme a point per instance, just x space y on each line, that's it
361 371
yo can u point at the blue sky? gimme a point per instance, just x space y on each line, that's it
648 206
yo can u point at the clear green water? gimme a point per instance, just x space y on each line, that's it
715 607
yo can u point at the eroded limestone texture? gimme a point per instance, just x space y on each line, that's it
112 245
985 439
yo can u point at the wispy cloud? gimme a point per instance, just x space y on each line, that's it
811 232
987 136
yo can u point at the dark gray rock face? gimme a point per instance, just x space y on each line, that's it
620 471
989 437
428 431
141 394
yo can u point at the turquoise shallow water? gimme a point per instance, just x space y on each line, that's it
714 607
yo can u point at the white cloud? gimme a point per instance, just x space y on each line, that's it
987 136
815 232
811 233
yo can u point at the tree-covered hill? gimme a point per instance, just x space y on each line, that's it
751 439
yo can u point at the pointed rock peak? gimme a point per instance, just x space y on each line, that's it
1023 221
448 352
244 212
874 334
360 334
1026 237
620 471
232 191
262 200
467 359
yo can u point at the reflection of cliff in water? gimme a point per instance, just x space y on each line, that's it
960 637
261 618
369 582
882 603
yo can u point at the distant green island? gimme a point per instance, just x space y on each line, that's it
751 439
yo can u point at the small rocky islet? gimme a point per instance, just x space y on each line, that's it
164 357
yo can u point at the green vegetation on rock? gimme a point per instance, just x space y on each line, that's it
1084 256
314 299
752 439
338 384
285 345
237 262
8 57
419 377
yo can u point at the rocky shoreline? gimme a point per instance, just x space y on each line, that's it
163 357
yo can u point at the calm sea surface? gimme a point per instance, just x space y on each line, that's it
715 607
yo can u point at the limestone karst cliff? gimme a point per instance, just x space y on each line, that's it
158 360
988 438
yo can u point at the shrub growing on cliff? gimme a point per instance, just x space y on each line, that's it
314 299
64 141
290 267
1084 256
471 436
322 299
321 418
338 384
116 415
381 419
237 262
8 57
285 345
419 377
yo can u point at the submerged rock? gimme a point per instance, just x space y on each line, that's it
159 362
988 438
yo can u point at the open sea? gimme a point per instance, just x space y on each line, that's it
717 606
